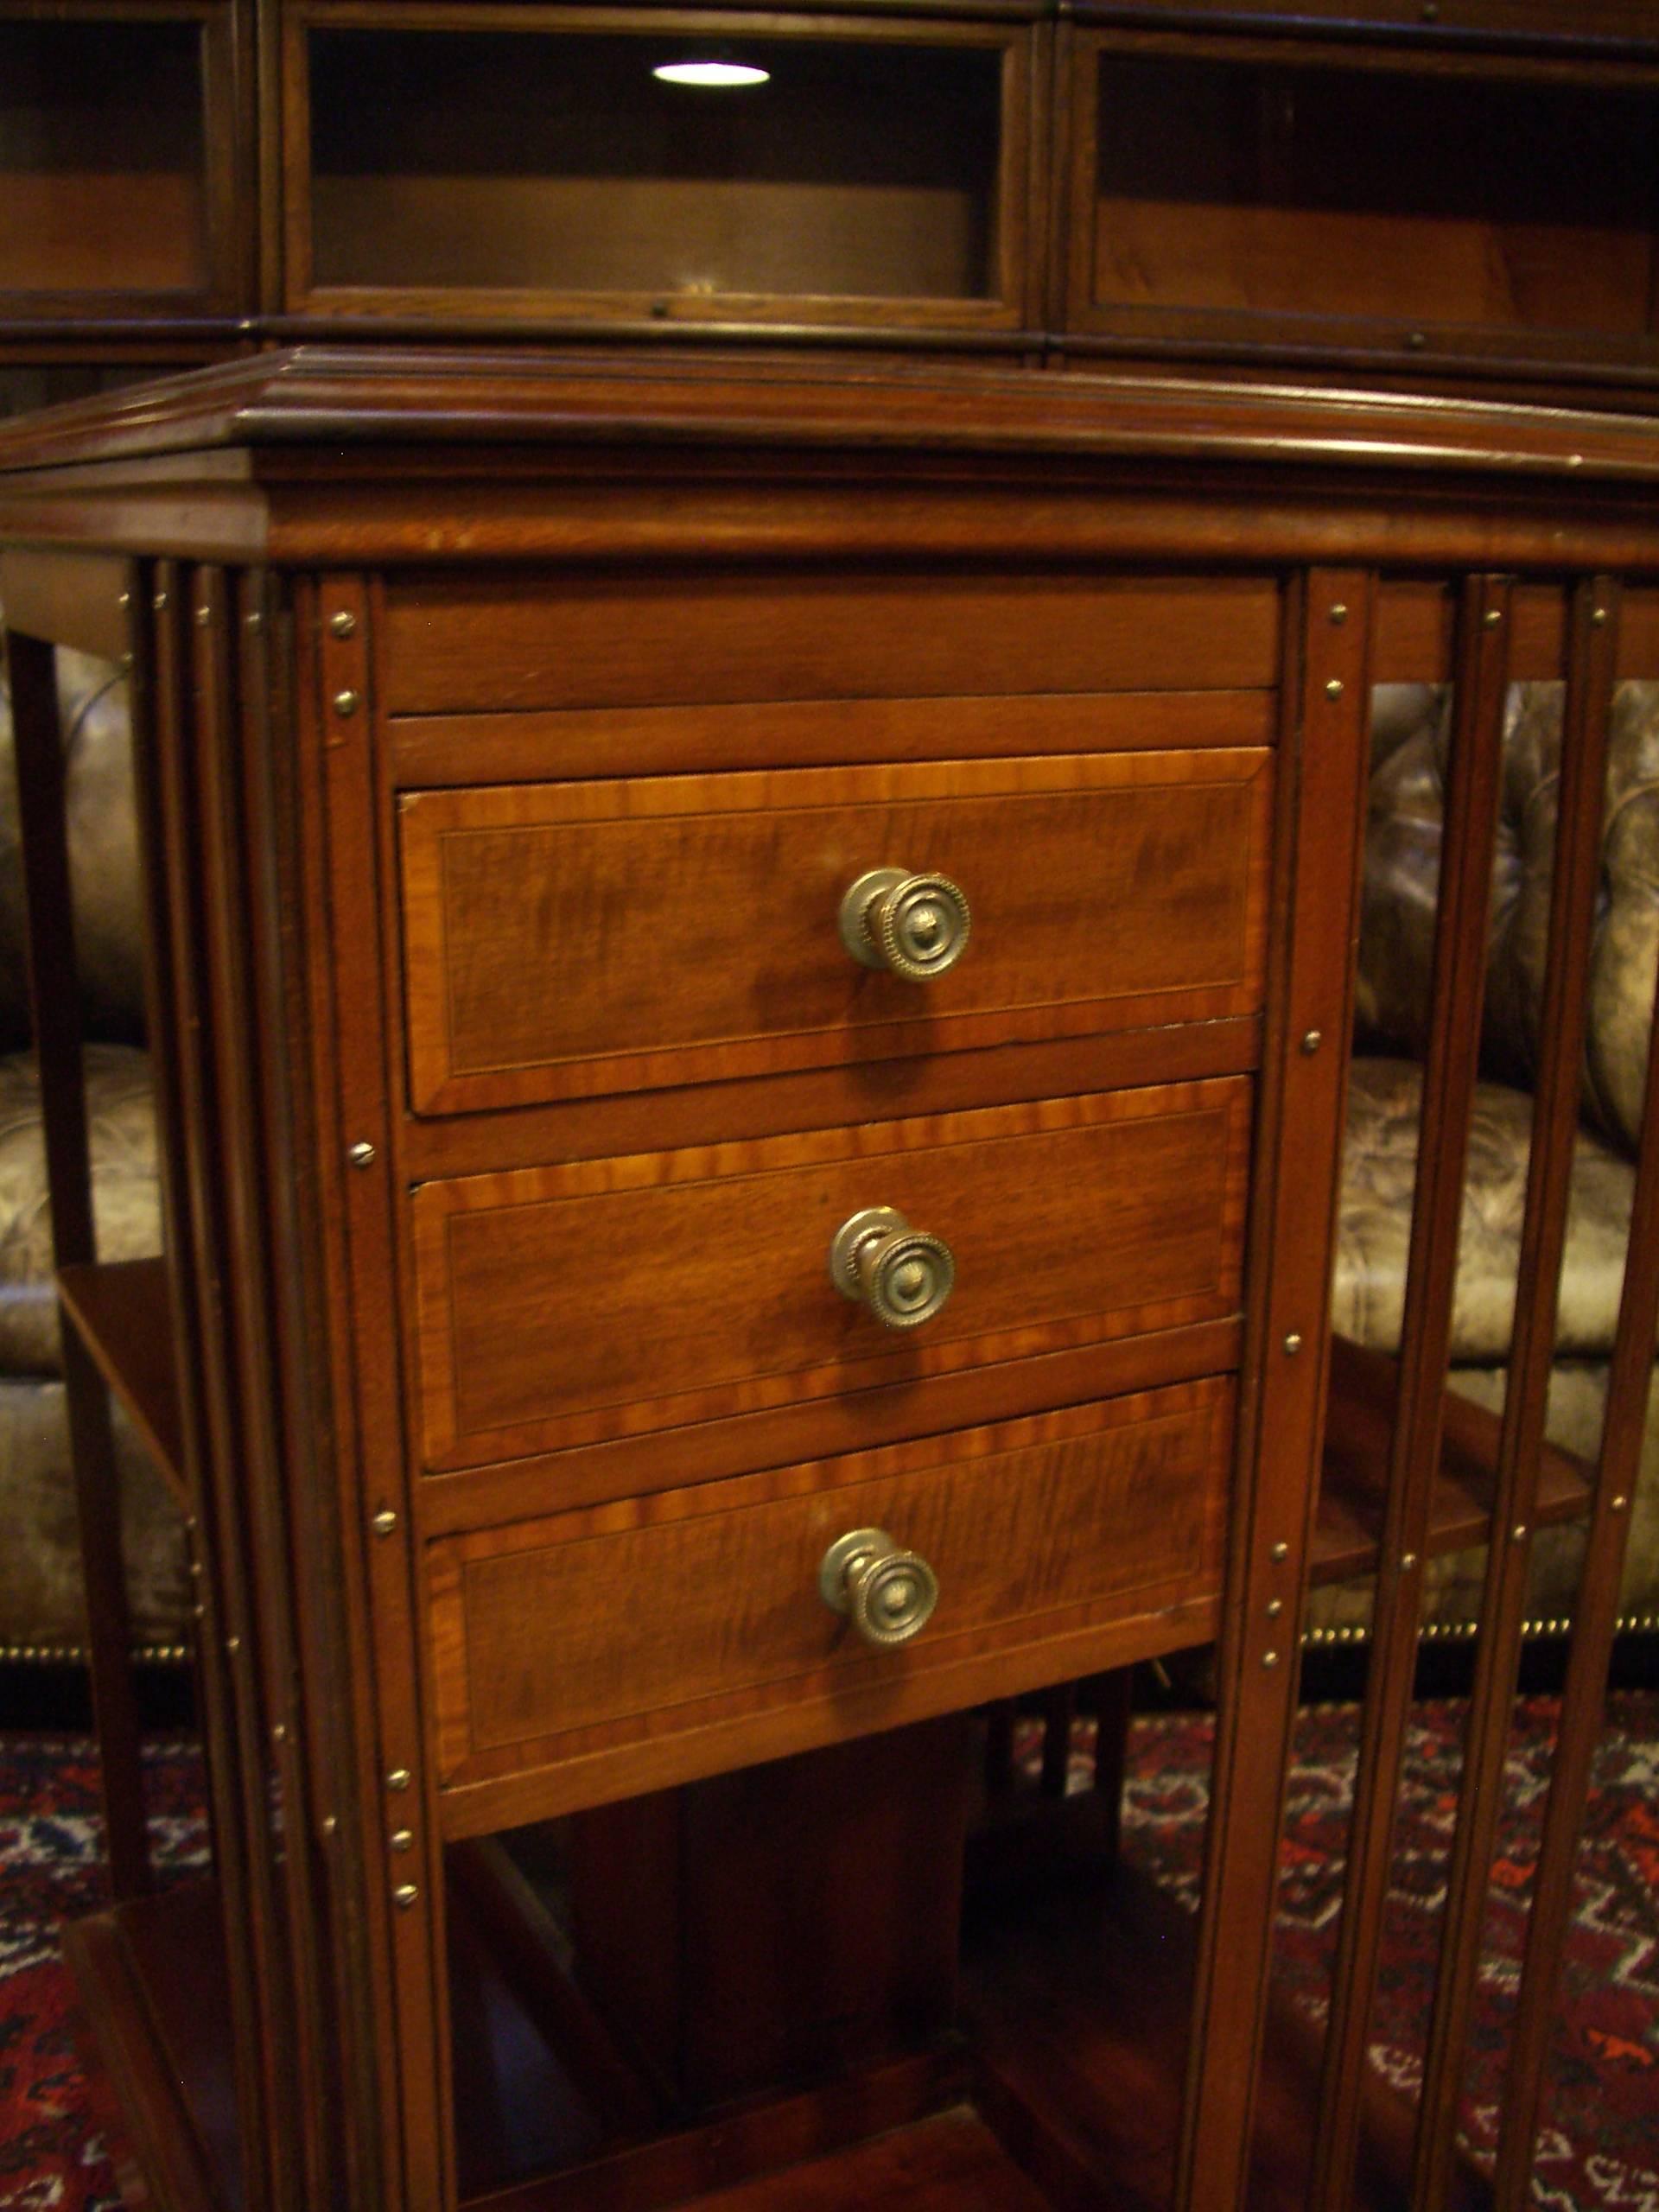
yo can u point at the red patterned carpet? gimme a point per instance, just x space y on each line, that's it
1601 2148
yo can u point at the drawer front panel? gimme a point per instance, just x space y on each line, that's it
458 645
567 940
700 1605
560 1306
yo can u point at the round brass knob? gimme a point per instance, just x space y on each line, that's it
886 1593
902 1275
914 925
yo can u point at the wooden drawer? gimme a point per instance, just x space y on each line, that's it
563 1305
691 1633
566 940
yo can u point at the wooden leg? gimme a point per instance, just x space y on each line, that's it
55 999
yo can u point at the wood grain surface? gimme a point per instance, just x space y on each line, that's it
570 939
585 1631
458 643
563 1305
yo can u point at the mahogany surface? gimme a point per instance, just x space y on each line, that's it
514 1436
122 1310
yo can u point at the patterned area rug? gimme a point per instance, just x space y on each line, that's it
1601 2145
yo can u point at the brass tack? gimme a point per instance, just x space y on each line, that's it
197 1569
1416 339
279 1733
232 1645
398 1778
1334 689
345 703
1339 612
1293 1343
123 599
204 616
405 1894
1275 1606
362 1155
402 1840
198 1613
1407 1560
1598 617
1620 1503
343 622
256 619
159 602
1280 1552
384 1521
1492 617
329 1823
1312 1040
1519 1530
1270 1658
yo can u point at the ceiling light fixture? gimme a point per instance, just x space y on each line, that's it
714 75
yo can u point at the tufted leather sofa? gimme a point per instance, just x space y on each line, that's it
1403 837
40 1580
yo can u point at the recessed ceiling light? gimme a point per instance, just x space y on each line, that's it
711 73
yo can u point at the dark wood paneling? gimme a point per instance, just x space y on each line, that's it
461 644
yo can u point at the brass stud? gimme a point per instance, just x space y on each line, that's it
330 1823
159 602
1599 618
1619 1504
1334 689
362 1155
384 1521
1293 1343
404 1896
1270 1658
398 1778
204 616
1280 1552
1339 612
256 619
345 703
402 1840
1275 1606
1312 1040
1492 617
197 1570
1519 1531
232 1645
1416 339
343 622
279 1733
1407 1560
123 599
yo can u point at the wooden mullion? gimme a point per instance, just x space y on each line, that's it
1321 771
1595 1616
1555 1126
1448 1105
167 805
56 1005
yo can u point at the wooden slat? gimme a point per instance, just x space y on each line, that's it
1595 1613
1325 699
1448 1102
123 1313
1586 716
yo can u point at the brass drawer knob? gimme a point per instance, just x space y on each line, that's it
914 925
887 1594
902 1275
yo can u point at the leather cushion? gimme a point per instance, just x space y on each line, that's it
126 1192
1374 1225
41 1601
104 854
1404 834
